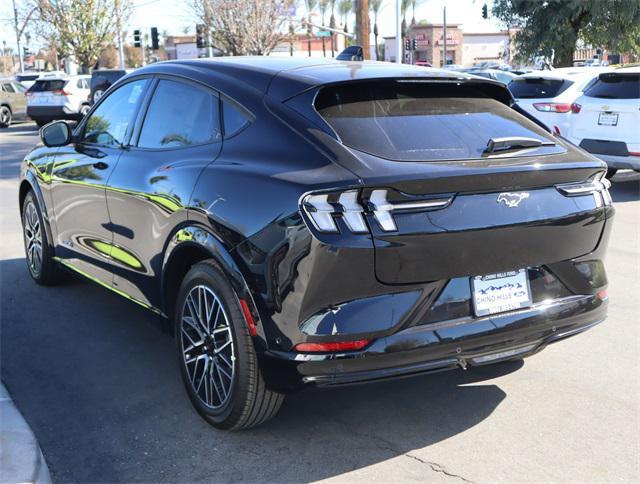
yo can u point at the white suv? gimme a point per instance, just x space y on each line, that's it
58 97
606 119
547 95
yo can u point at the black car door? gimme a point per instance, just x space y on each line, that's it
176 136
78 179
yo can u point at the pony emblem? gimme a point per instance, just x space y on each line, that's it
512 200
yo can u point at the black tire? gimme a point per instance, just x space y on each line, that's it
248 402
40 263
84 109
5 116
611 172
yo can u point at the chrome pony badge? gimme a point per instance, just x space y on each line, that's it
512 200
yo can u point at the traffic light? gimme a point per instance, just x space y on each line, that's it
414 43
155 44
136 38
202 39
407 44
485 11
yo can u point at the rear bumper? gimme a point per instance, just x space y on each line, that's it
620 162
51 112
440 346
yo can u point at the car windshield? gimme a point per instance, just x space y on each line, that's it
417 122
538 87
615 86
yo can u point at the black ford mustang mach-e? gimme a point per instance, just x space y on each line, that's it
305 222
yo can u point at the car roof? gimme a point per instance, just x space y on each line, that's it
631 70
284 77
566 73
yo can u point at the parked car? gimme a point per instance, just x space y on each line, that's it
102 79
548 95
606 119
58 97
27 79
505 77
309 223
13 102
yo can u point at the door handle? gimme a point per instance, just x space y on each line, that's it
100 165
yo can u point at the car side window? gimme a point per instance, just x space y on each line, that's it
7 87
234 118
108 124
180 114
19 87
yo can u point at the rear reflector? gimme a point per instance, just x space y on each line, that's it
602 295
331 347
253 331
552 107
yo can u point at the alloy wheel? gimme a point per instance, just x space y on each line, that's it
33 238
207 347
5 116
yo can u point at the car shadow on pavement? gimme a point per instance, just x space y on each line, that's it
97 380
625 187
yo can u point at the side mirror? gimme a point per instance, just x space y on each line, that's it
57 133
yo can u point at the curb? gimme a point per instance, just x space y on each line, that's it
21 459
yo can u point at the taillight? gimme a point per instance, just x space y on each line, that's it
634 153
575 108
331 347
323 210
552 107
61 92
597 186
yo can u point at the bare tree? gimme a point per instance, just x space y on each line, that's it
82 28
252 27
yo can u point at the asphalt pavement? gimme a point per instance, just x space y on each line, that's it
97 380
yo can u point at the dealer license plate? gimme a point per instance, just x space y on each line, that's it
608 119
497 293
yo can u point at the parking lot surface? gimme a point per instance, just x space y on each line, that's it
97 380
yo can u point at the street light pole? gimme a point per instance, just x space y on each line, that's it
444 37
119 28
398 33
15 18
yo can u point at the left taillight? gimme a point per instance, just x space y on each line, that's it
552 107
61 92
323 208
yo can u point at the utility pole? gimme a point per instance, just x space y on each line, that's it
444 36
18 33
120 42
398 33
362 27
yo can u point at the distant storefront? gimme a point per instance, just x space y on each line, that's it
428 40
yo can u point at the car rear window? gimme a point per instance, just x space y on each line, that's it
417 122
534 87
50 85
615 86
102 77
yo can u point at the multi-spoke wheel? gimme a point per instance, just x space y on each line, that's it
218 362
42 267
207 347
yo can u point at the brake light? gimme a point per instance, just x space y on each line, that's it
634 153
324 209
331 347
552 107
575 108
61 92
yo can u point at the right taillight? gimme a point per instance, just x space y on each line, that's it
324 209
597 186
575 108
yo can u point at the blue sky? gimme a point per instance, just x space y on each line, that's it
174 16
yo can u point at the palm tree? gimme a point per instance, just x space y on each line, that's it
332 24
344 9
323 5
413 10
375 6
311 5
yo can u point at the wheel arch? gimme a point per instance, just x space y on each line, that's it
189 245
30 184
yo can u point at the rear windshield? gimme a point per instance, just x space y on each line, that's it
418 122
44 86
99 77
615 86
534 87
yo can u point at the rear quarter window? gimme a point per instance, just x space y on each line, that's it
418 122
615 86
533 88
